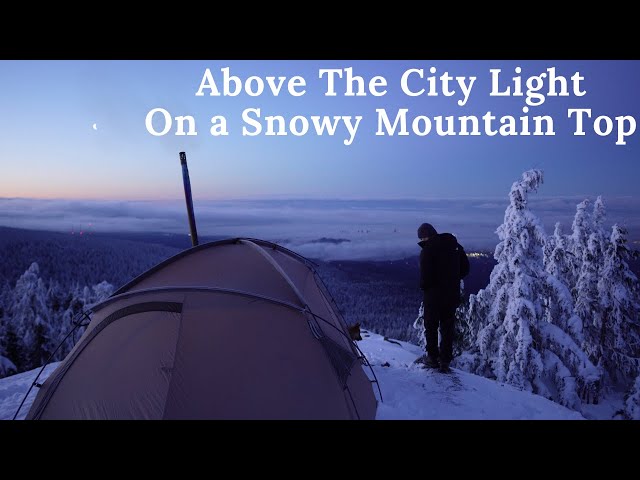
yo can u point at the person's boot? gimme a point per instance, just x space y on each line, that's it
444 366
431 362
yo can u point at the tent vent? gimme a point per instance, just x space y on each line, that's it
341 359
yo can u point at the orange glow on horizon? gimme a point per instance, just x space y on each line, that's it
124 194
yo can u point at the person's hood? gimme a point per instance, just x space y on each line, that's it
444 239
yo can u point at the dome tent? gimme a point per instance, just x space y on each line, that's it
235 329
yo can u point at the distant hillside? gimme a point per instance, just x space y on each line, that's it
382 295
82 259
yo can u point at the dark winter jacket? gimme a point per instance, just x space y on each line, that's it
443 263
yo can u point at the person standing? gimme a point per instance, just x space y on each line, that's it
443 263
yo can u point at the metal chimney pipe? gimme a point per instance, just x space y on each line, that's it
187 197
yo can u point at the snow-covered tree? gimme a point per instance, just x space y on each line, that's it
7 340
4 316
560 272
34 319
81 300
587 301
632 401
101 291
598 218
518 341
618 327
588 236
419 326
464 335
557 257
30 319
550 243
5 293
581 229
6 367
589 242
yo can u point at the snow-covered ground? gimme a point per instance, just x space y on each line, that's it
408 391
13 389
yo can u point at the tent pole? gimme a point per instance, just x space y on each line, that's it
187 196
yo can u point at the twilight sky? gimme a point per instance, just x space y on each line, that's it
59 173
50 150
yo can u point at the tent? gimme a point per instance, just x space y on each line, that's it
234 329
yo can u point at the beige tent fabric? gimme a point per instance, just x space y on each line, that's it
310 287
234 266
228 330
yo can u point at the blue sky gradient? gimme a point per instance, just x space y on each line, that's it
49 149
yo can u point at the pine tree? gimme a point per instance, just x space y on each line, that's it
13 348
43 343
419 327
598 218
4 318
557 259
518 341
55 306
550 244
30 318
577 243
587 303
101 291
5 294
618 329
559 303
632 401
77 300
6 367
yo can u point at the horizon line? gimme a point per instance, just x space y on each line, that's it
274 197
